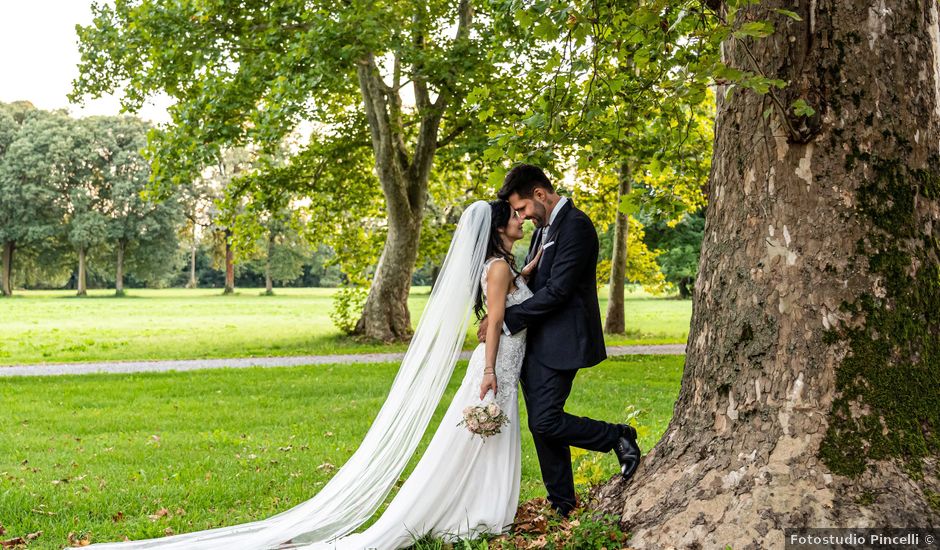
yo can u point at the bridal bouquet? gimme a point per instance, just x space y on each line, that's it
484 420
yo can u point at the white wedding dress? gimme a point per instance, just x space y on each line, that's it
463 486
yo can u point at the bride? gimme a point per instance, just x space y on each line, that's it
463 486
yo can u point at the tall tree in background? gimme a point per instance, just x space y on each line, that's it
680 243
811 390
625 99
232 163
245 73
84 192
268 233
139 229
34 173
196 197
8 130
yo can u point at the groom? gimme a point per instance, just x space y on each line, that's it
564 333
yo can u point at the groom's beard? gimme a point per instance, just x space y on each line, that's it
540 218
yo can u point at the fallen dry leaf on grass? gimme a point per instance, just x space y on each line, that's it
162 512
18 542
118 517
77 541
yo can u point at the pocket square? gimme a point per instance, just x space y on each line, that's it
546 245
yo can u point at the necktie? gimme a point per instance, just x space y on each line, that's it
542 238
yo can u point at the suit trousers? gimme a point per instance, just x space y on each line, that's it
545 391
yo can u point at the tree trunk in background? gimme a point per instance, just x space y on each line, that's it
119 272
80 281
268 283
385 315
229 264
811 390
403 174
193 283
6 279
404 180
684 291
616 323
435 271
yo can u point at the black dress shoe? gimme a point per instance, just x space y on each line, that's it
628 452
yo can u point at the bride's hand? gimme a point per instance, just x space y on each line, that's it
530 267
481 331
489 383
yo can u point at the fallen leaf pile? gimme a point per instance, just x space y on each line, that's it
17 542
538 526
79 540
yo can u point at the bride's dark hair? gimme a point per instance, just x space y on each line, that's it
500 212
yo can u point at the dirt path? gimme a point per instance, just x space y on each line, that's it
49 369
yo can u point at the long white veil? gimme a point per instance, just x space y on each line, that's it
357 489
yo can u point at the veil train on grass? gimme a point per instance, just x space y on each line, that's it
360 486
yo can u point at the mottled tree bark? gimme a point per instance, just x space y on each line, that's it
616 322
119 271
811 390
6 278
80 280
229 264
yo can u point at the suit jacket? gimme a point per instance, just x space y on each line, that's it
563 316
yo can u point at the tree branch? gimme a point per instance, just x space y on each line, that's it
459 129
387 153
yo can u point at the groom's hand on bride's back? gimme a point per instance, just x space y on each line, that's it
481 330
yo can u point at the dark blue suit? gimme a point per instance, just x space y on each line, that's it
564 334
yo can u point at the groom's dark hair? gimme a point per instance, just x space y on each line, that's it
523 179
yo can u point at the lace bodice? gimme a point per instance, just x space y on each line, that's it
511 347
517 296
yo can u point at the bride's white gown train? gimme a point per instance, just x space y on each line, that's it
463 486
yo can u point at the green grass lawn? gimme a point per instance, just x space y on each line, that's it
100 453
56 326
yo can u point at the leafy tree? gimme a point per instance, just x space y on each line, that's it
270 233
245 73
34 171
680 244
141 232
84 192
8 130
625 98
222 213
196 197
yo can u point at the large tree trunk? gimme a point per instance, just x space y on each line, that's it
80 281
811 390
616 322
385 315
6 279
404 181
193 283
229 264
403 175
119 272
